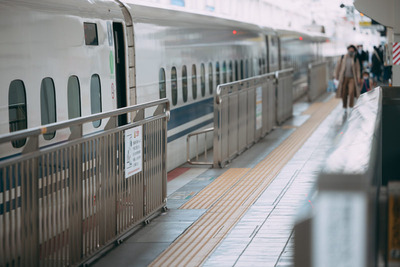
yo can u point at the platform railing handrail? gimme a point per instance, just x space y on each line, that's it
69 201
35 131
283 72
197 154
317 64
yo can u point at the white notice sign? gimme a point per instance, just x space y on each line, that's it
133 151
258 108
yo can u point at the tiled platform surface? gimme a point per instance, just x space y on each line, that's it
263 236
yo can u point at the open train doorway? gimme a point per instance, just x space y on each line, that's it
120 72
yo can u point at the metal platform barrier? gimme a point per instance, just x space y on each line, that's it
62 204
317 80
345 226
244 111
284 95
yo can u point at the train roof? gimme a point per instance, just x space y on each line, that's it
177 16
101 9
173 16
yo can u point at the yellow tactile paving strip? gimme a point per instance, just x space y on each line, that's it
314 107
201 238
209 195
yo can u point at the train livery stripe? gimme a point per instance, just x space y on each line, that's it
189 130
188 113
203 236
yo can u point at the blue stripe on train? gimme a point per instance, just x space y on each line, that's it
185 114
189 130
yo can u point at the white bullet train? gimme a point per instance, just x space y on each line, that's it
66 59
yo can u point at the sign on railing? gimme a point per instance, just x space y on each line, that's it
63 203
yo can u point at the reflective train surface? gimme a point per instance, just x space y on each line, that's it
65 59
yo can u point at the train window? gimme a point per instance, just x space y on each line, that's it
210 78
230 71
162 84
74 98
247 68
255 67
48 105
224 75
17 115
90 30
203 80
241 70
260 66
263 66
236 71
217 77
251 67
194 82
95 97
174 86
184 84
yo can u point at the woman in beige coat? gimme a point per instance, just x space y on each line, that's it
347 72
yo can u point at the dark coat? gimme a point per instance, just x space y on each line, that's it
376 67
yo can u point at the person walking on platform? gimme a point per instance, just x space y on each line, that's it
347 72
366 84
376 67
362 57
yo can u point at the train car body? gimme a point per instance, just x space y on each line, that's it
57 63
184 56
61 60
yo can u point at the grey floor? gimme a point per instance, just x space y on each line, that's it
263 236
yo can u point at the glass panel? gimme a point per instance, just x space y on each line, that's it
217 77
210 78
48 105
95 97
74 98
194 82
184 84
203 80
162 83
174 86
17 115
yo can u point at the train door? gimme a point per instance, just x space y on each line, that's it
120 72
